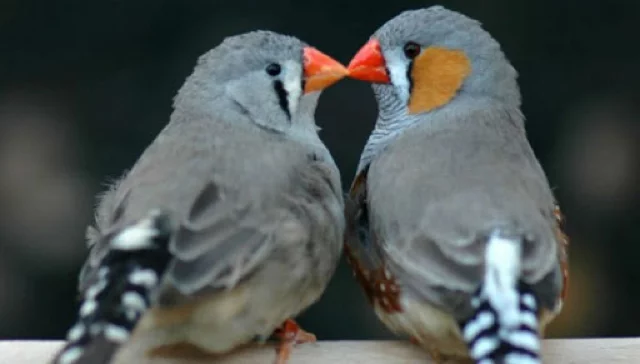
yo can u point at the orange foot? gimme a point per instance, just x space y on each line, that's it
291 334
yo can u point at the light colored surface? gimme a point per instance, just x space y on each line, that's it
582 351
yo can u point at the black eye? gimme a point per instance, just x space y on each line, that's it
273 69
411 50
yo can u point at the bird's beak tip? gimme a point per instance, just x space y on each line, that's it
369 64
320 70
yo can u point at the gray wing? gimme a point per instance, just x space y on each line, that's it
227 235
224 242
434 198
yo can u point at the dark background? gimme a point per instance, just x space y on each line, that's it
86 85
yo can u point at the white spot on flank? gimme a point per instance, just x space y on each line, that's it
134 301
144 277
88 307
116 333
76 332
484 346
382 287
483 321
103 272
502 259
70 355
387 275
485 361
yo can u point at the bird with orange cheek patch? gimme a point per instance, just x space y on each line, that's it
452 228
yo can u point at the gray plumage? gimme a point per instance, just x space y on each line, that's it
440 182
253 195
460 180
228 196
493 79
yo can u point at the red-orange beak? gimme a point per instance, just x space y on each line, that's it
368 64
320 70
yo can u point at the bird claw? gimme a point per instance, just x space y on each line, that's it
291 334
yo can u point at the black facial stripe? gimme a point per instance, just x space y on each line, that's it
409 70
282 97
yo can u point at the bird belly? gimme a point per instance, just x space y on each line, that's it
225 320
432 328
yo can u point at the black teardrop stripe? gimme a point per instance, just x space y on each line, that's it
409 77
282 97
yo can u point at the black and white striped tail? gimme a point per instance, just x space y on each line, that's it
490 342
137 257
504 326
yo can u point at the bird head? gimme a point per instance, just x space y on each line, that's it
423 59
272 78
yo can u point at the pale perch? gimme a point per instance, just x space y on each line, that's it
565 351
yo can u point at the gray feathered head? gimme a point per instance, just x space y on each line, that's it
269 77
423 59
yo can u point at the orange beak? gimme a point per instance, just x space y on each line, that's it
320 70
368 64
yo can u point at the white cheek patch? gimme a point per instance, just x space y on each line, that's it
397 66
292 83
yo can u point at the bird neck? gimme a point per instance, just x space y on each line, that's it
394 120
217 107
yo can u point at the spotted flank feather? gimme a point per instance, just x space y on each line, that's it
138 256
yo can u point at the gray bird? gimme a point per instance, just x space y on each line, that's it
231 221
452 228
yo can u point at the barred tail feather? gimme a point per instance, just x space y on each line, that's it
137 258
504 326
99 351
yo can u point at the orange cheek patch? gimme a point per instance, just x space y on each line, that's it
437 74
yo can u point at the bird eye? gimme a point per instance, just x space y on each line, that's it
411 50
273 69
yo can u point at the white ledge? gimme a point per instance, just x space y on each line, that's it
560 351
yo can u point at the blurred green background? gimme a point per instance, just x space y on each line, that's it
86 85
